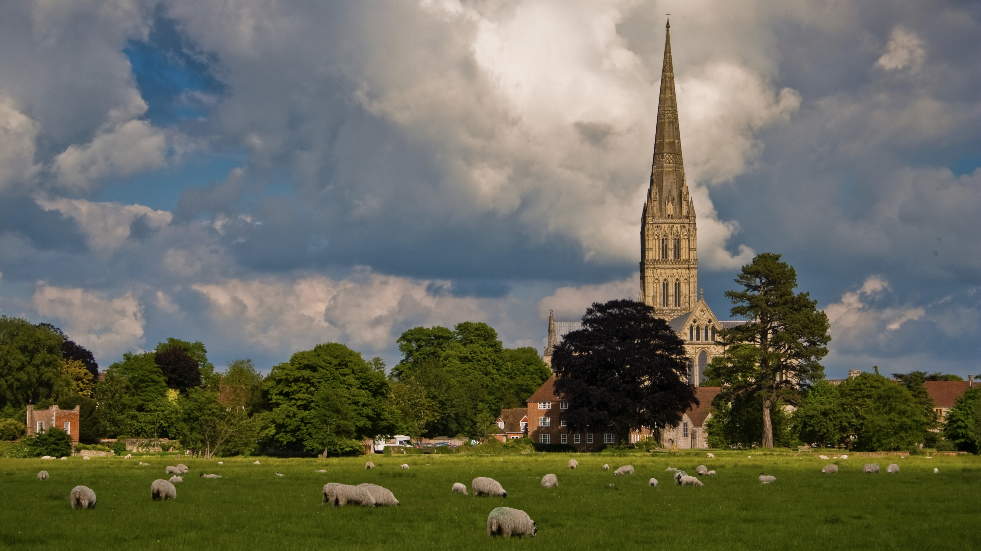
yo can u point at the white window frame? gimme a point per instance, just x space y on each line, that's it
684 429
515 437
544 421
576 438
68 427
564 438
40 427
609 438
564 404
544 438
589 438
562 422
544 405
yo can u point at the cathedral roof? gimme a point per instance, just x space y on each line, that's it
705 394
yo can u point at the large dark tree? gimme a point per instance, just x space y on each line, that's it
179 368
624 369
71 350
776 352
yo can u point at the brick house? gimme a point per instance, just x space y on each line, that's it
45 419
512 424
691 432
946 393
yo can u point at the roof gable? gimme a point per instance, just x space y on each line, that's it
945 393
546 392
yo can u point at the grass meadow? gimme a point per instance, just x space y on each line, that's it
251 508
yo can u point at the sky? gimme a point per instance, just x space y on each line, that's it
266 176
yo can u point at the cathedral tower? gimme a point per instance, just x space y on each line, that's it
668 259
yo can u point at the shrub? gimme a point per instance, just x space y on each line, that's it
119 447
945 446
54 442
11 429
93 447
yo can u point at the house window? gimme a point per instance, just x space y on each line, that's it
68 427
609 438
544 438
544 421
564 404
562 422
515 437
544 405
576 438
664 293
564 438
589 438
684 429
40 427
677 294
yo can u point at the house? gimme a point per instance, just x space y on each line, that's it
44 419
691 432
512 424
946 393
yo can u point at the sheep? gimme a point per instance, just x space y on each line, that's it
280 474
766 479
43 475
689 481
624 470
382 496
183 468
128 456
63 458
824 457
459 488
82 497
320 471
671 470
340 495
161 489
871 468
255 462
573 464
701 470
404 466
936 470
202 475
710 473
652 482
606 467
221 462
830 469
176 478
893 468
710 455
84 458
678 475
507 522
142 464
484 486
550 480
369 465
47 457
844 457
172 470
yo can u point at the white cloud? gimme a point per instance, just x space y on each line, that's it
570 303
105 326
905 50
106 225
119 150
855 320
17 136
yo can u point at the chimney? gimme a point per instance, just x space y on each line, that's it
970 381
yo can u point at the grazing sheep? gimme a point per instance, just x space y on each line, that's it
459 488
404 466
382 496
321 471
47 457
484 486
173 470
824 457
340 495
221 462
766 479
279 474
701 470
871 468
606 467
652 482
624 470
936 470
144 464
369 465
893 468
255 462
844 457
710 473
176 478
183 468
573 463
507 522
710 455
84 458
550 480
43 475
203 475
128 456
63 458
671 470
830 469
689 481
161 489
82 498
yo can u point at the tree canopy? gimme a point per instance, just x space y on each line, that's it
179 368
883 415
30 362
963 423
776 352
624 369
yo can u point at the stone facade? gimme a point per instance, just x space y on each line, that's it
44 419
691 432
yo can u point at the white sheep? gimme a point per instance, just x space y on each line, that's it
689 481
82 497
255 463
710 473
63 458
43 475
710 455
550 480
701 470
46 457
172 470
871 468
671 470
892 468
84 458
767 479
162 489
824 457
624 470
507 522
382 496
484 486
652 482
320 471
203 475
936 470
176 478
573 463
128 456
830 469
606 467
280 474
404 466
183 468
369 465
459 488
340 495
142 464
844 457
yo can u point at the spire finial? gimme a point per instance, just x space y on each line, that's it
668 25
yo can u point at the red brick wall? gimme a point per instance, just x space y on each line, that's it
53 417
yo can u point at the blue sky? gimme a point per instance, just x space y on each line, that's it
263 177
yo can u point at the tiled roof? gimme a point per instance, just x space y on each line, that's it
546 392
678 323
729 324
705 395
563 328
945 393
512 418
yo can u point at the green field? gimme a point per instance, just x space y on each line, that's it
251 508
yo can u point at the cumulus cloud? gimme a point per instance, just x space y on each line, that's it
120 150
107 226
570 303
855 319
904 51
17 135
106 326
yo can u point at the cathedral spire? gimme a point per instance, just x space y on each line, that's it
668 191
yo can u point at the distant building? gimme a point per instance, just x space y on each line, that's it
512 424
946 393
691 432
45 419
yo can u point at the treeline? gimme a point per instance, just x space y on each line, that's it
322 401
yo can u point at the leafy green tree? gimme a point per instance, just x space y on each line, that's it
913 381
414 409
822 417
30 362
11 429
241 386
326 400
885 415
776 352
206 426
196 350
624 369
146 380
419 343
738 422
113 416
179 368
133 398
53 442
71 350
963 423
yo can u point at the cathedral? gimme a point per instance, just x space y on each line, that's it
668 244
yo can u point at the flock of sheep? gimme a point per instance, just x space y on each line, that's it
502 521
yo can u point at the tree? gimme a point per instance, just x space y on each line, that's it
624 369
133 398
883 415
913 381
776 352
822 417
78 378
326 400
241 386
53 442
30 362
179 368
205 425
71 350
963 423
197 351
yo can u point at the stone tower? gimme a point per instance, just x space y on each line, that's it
668 259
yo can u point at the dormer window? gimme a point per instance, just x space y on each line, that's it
544 405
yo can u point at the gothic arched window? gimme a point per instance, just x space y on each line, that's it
664 293
664 249
698 333
691 332
713 334
677 248
677 294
